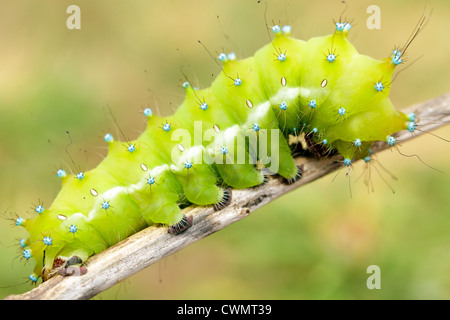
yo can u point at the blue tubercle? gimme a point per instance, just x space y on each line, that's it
148 112
379 86
185 85
276 29
222 57
283 106
397 57
39 209
131 148
286 29
312 104
331 57
411 126
357 143
188 164
231 56
256 127
281 57
108 137
73 229
396 60
391 141
19 221
347 162
340 26
33 277
105 205
341 111
166 127
204 106
47 241
60 173
237 82
150 180
224 150
27 253
80 175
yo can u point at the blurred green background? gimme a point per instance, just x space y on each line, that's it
313 243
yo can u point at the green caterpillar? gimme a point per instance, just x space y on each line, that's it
220 137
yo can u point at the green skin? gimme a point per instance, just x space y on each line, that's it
121 179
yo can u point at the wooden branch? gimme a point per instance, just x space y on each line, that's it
154 243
